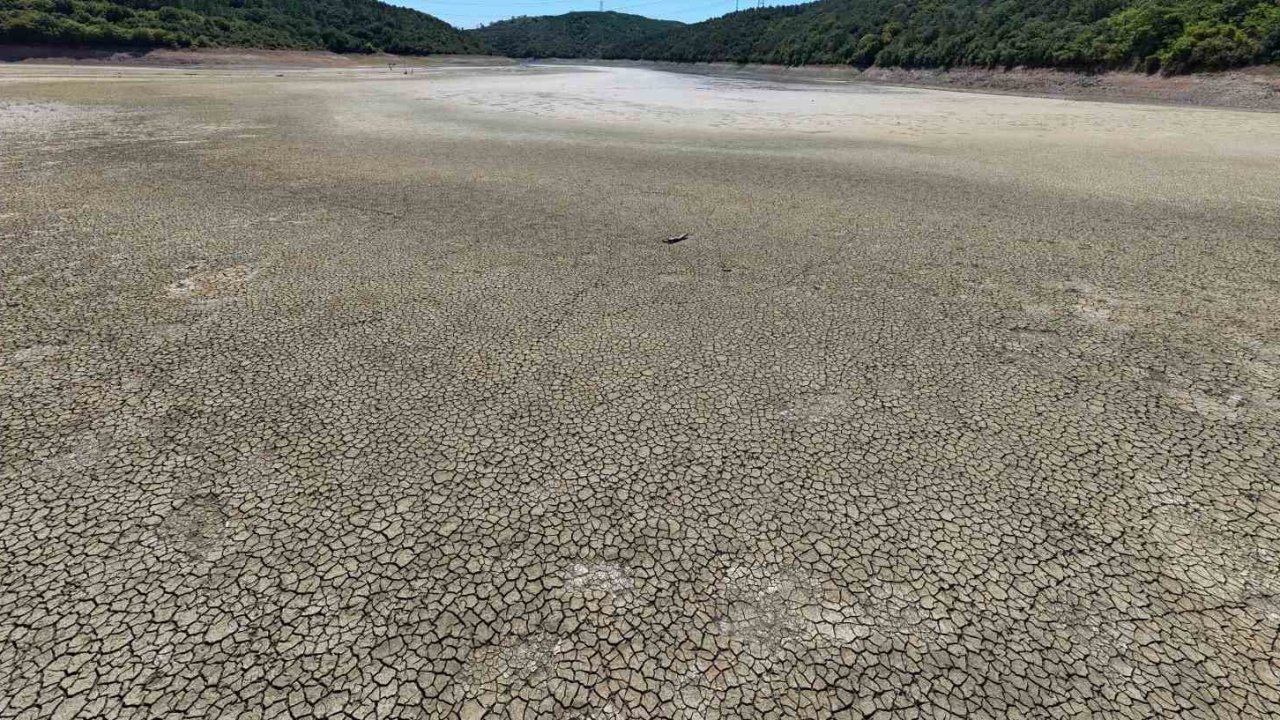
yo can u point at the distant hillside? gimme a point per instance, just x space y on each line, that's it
572 35
338 25
1174 36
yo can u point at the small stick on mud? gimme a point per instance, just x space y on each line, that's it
676 238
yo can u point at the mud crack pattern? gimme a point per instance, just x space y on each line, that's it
398 407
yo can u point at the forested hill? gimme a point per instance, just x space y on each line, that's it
572 35
1170 35
338 25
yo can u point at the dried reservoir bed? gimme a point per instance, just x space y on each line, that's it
353 393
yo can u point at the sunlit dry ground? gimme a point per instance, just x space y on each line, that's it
357 394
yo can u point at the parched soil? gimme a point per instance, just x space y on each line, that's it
347 392
1256 88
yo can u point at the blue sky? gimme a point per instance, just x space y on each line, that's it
470 13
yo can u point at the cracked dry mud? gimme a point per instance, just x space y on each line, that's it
352 395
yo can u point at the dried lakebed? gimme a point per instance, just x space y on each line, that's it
341 393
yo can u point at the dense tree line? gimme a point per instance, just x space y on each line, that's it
575 34
1173 36
339 25
1168 35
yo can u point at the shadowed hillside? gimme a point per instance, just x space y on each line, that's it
338 25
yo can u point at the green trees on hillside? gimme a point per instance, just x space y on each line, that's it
575 34
1170 35
1182 36
339 25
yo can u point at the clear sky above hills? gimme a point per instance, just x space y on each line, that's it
470 13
